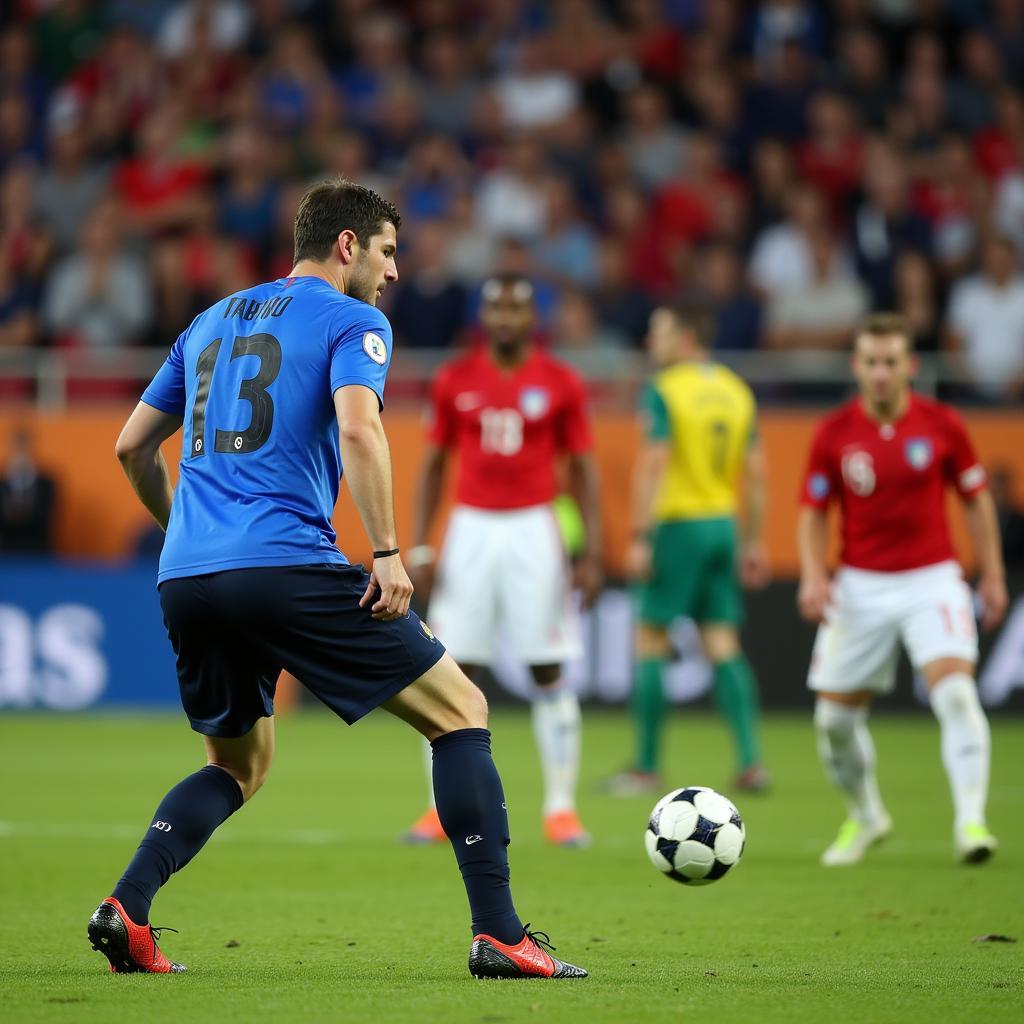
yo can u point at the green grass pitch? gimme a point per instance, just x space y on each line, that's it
304 907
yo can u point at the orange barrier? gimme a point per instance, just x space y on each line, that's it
99 516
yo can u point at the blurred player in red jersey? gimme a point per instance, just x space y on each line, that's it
511 412
887 457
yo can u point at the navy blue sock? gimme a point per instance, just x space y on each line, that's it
185 819
471 806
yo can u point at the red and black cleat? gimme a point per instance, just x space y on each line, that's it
131 948
489 958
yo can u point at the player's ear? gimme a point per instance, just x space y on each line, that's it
348 246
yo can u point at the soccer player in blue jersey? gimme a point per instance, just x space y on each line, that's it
278 388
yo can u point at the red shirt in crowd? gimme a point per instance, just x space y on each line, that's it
508 426
890 481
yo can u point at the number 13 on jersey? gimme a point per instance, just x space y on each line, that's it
253 390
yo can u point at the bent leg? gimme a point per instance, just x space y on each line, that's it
452 713
192 811
966 741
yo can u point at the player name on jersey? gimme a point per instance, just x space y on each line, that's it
253 309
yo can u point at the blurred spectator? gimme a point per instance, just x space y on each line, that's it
954 197
18 75
377 61
773 175
99 296
972 101
534 93
27 501
779 99
822 312
719 105
196 268
25 243
249 196
429 309
566 252
224 21
986 323
1010 515
18 321
885 224
448 89
831 155
776 26
67 34
471 252
781 258
654 144
510 200
70 185
916 297
295 76
620 305
435 171
721 288
159 185
19 139
862 75
579 336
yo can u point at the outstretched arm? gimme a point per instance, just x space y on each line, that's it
138 450
367 461
983 527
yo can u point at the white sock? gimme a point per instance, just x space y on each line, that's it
966 745
556 726
846 748
428 761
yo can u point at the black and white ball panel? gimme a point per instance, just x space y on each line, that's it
694 835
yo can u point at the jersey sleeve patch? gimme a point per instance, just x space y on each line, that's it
655 414
818 486
972 478
375 347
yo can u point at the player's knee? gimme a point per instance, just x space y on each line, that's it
249 774
473 707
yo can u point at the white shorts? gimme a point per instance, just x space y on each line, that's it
505 570
929 609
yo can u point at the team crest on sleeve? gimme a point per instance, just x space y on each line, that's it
859 472
817 486
428 632
534 402
919 452
374 347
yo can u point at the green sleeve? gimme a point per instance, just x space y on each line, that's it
655 413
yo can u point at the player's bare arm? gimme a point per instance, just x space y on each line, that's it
983 527
755 571
367 461
584 485
647 476
812 538
422 557
138 450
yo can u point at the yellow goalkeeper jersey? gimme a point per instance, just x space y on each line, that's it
709 416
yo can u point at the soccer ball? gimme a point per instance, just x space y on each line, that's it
695 835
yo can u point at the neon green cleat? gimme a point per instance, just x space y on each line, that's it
974 844
855 838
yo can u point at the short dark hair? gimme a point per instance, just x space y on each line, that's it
332 206
693 318
878 325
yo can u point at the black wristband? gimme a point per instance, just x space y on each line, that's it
385 554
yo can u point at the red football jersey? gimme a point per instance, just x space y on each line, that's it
508 426
890 480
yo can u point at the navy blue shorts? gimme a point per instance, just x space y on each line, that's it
233 631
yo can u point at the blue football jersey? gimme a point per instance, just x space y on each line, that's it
254 378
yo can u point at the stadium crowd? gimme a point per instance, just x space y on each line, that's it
789 165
